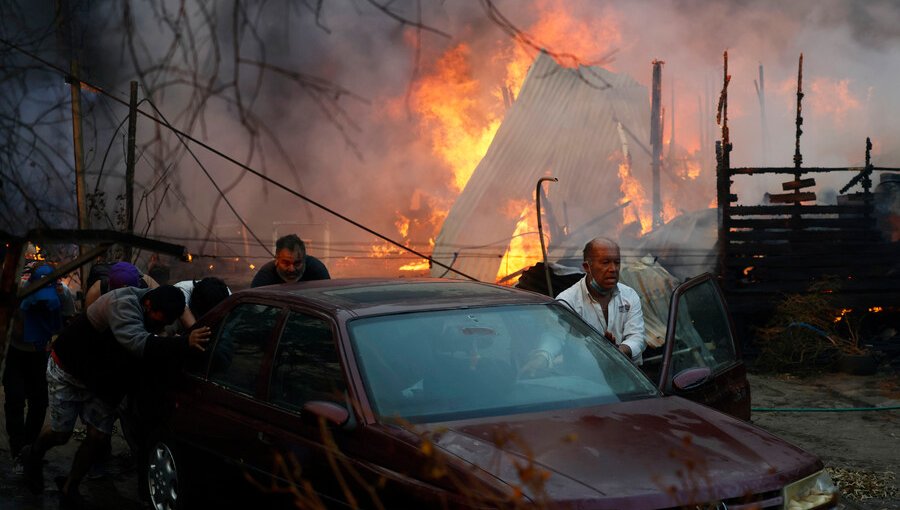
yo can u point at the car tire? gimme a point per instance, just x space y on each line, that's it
165 477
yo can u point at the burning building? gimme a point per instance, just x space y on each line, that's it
585 126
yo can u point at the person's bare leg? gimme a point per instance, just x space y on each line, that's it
33 456
84 458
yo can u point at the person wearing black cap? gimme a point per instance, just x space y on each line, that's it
92 365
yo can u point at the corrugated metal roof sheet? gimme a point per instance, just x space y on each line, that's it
563 124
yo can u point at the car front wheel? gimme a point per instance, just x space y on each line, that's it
164 480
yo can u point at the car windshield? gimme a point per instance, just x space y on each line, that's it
489 361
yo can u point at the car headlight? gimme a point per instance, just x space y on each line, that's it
814 491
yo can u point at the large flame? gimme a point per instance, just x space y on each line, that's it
459 127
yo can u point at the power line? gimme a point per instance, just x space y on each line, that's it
213 181
231 160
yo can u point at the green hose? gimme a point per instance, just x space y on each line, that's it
820 409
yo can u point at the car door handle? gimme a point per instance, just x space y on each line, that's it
264 438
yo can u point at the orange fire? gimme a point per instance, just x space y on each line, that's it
639 208
525 246
669 211
421 265
574 39
460 129
843 313
833 98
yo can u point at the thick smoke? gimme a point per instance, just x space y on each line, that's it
353 143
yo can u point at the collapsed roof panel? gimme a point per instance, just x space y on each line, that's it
574 124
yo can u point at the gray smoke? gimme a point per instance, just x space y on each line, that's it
350 142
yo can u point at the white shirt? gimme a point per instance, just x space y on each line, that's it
626 320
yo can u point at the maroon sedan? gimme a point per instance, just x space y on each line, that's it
450 394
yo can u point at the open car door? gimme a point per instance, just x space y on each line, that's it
701 361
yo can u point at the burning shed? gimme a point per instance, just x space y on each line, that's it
580 125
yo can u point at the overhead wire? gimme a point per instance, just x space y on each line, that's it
213 181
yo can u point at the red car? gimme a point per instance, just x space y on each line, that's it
452 394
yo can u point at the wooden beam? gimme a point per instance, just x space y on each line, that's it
811 209
790 170
104 236
787 198
64 269
802 223
804 235
798 184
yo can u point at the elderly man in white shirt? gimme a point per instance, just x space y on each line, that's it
611 307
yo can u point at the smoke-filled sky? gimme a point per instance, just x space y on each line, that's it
347 107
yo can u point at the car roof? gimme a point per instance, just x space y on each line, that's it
374 296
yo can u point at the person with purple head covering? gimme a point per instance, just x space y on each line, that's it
120 274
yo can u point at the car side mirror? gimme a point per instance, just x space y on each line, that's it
691 378
335 415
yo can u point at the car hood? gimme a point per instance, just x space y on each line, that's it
653 453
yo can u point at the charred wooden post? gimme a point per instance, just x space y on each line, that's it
723 170
656 139
798 157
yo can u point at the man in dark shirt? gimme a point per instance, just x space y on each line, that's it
291 264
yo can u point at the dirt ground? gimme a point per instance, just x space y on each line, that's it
863 446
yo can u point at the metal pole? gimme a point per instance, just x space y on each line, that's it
656 139
129 168
761 93
541 231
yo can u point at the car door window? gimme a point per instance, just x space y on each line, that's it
238 354
306 365
702 331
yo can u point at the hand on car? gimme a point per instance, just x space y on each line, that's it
611 337
199 337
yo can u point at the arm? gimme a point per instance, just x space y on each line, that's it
633 332
149 281
92 294
187 319
160 348
126 322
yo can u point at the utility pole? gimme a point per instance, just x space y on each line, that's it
65 41
656 139
84 221
77 142
129 168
